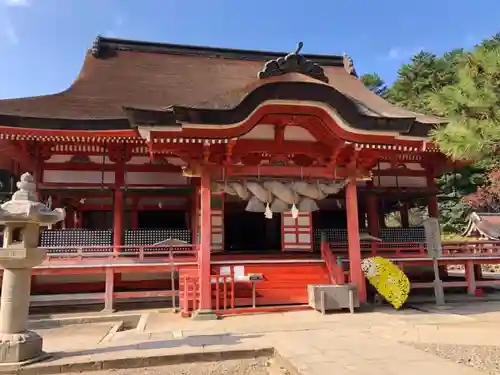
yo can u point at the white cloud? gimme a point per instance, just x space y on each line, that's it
10 33
16 3
398 53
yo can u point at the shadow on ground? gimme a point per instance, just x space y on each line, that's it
199 341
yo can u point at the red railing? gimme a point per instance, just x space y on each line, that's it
170 253
335 271
418 249
225 296
386 249
190 295
471 248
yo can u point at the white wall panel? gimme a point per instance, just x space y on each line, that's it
155 178
390 181
139 160
297 133
260 132
79 177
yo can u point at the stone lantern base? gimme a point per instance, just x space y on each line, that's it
21 217
19 348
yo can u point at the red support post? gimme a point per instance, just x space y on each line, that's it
433 209
470 277
38 172
405 216
118 207
79 219
205 243
118 220
432 203
195 214
354 244
109 290
373 219
381 220
70 217
134 220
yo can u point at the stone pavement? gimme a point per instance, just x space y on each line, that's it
338 343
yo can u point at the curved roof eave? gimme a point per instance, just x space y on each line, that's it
66 124
241 106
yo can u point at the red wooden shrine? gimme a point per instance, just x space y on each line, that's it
169 158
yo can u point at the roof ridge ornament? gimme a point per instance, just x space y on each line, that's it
299 48
349 64
293 63
97 47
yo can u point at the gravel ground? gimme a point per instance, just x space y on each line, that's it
484 358
259 366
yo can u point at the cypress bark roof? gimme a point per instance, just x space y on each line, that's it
118 74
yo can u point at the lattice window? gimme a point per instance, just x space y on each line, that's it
217 217
296 233
75 237
86 237
415 234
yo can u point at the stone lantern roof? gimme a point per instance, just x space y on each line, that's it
24 206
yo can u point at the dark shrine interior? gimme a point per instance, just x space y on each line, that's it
250 231
163 219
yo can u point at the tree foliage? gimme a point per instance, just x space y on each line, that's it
454 188
472 103
425 74
487 195
376 84
464 87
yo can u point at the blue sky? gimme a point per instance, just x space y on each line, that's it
42 42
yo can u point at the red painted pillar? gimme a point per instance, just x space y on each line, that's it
70 217
381 220
78 219
38 172
373 220
109 290
118 206
195 214
134 219
356 274
205 242
118 220
433 203
405 216
373 217
470 277
433 209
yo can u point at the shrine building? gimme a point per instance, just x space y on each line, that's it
178 165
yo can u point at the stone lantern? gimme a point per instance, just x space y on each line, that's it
22 217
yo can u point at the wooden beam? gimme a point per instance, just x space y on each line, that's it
111 167
313 149
285 171
15 151
400 172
